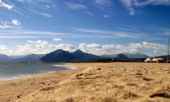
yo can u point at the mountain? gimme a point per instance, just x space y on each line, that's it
57 56
28 58
127 55
4 58
78 55
121 57
136 55
65 56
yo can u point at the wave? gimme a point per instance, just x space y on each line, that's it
15 77
67 67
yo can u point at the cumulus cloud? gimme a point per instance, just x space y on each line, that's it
16 22
5 5
4 26
5 50
10 24
43 47
151 49
39 47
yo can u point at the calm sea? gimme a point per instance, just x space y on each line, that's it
15 70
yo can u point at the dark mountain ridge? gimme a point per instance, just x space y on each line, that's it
65 56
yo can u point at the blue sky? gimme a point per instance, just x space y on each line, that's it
94 26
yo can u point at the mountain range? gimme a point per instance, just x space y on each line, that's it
28 58
66 56
17 59
5 58
126 55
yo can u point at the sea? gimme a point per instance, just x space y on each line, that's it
10 71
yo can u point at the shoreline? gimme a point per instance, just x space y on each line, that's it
93 82
66 66
13 89
23 76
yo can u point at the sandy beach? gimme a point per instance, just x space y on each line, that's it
93 82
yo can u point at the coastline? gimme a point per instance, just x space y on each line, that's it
23 76
93 82
12 89
66 66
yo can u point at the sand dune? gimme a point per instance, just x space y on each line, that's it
97 82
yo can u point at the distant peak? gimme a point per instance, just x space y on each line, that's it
78 50
60 50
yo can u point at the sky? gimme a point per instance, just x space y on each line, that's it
94 26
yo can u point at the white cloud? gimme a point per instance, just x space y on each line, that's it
16 22
5 50
21 33
45 14
132 4
129 5
76 6
40 47
103 2
79 7
34 47
57 39
40 7
10 24
31 1
18 37
43 47
151 49
40 13
4 26
161 2
5 5
121 34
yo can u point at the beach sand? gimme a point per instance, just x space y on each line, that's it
93 82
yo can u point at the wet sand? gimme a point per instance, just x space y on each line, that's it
93 82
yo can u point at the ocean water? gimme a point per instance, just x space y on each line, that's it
16 70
